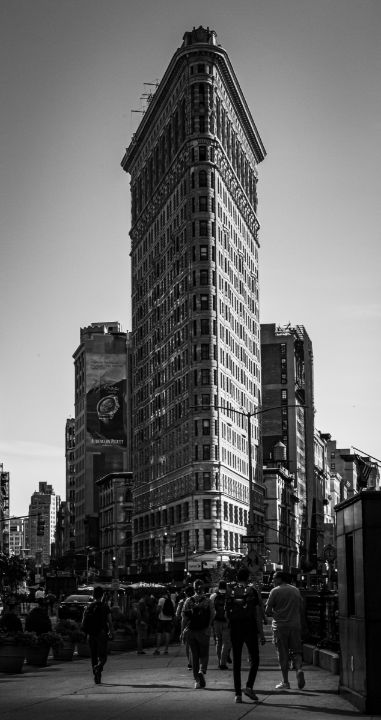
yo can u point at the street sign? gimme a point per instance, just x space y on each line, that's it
249 538
194 565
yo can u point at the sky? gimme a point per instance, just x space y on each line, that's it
71 73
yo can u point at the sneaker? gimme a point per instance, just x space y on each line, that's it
300 679
224 667
201 679
238 699
156 652
251 694
140 652
228 659
197 685
97 675
282 686
190 666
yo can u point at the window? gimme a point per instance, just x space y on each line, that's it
205 400
207 539
206 426
206 452
203 228
206 480
196 509
204 277
205 352
202 153
207 509
203 252
200 68
205 326
204 302
201 124
203 203
284 395
205 376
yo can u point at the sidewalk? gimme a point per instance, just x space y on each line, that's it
145 687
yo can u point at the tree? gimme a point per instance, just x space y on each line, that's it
12 573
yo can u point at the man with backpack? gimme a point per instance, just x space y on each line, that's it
220 625
97 625
165 614
198 614
245 622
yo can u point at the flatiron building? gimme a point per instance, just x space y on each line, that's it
195 309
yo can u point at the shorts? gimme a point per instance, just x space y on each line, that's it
164 626
286 639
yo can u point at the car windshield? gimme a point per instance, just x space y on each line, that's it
78 598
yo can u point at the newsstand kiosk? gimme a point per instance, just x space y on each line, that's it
359 589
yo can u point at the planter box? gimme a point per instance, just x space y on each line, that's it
37 656
12 658
66 652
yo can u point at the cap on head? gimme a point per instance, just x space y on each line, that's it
198 584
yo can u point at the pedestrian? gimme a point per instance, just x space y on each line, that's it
142 620
285 605
165 619
198 615
243 611
220 625
188 592
97 625
39 594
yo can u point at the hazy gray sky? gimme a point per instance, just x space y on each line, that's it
71 72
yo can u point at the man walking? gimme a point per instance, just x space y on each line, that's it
245 627
97 625
198 614
285 605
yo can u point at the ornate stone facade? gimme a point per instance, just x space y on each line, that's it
196 375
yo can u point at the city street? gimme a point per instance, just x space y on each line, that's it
142 687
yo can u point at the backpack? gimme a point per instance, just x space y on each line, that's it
94 619
220 607
168 608
242 605
199 614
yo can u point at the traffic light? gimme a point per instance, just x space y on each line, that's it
165 538
40 526
114 562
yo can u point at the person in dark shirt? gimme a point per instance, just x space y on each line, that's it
97 625
38 620
244 617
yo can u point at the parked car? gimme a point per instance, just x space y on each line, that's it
73 606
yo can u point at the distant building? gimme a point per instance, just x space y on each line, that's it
281 501
17 538
100 364
67 512
115 522
4 510
195 307
288 417
42 520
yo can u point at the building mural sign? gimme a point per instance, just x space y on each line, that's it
106 404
